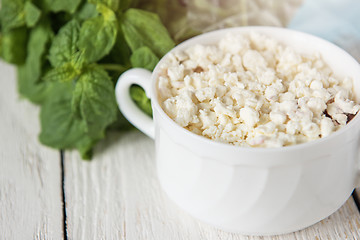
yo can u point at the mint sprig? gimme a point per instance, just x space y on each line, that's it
69 54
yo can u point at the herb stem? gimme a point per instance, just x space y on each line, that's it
113 67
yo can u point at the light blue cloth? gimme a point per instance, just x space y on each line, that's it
335 20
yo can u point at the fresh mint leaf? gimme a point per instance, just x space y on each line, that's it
63 47
98 35
32 14
1 43
94 101
121 52
18 13
29 86
63 73
59 128
69 6
78 61
86 11
142 28
112 4
14 45
141 100
143 57
29 74
125 4
85 145
72 74
12 14
64 55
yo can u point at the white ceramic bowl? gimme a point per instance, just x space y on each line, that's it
255 191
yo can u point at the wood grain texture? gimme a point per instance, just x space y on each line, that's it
117 196
30 184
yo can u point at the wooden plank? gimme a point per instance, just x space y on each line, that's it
30 174
117 196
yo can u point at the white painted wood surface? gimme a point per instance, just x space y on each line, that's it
117 196
30 174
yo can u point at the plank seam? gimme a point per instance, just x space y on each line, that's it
63 194
356 199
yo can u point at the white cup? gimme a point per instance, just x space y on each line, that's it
253 191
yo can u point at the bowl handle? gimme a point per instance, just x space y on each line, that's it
138 118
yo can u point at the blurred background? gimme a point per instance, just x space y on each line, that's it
334 20
186 18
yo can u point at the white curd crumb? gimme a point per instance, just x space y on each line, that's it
277 117
326 126
251 91
250 116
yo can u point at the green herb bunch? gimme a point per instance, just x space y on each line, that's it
69 53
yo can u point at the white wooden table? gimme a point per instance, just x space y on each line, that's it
45 194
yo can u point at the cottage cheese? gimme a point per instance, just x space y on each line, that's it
249 90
